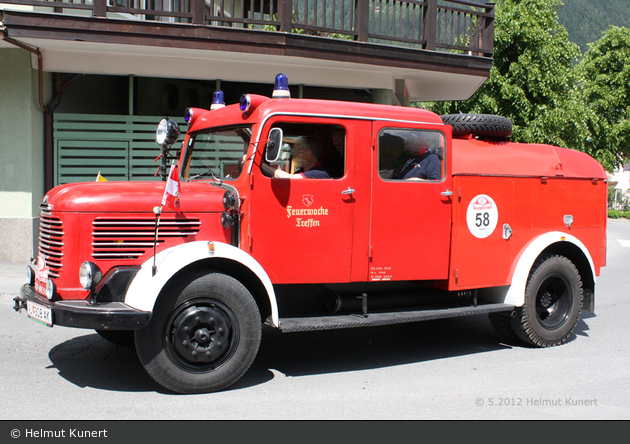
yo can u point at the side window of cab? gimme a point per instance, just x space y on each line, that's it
411 154
309 151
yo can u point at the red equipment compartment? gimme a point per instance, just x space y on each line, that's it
532 190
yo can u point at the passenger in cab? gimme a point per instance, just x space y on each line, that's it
423 165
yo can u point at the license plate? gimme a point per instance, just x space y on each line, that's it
39 313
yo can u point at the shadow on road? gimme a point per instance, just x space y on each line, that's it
91 361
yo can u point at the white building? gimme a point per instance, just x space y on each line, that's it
620 181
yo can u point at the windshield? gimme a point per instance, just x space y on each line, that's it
218 154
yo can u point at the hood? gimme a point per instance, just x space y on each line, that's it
133 197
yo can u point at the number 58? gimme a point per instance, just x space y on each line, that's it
482 219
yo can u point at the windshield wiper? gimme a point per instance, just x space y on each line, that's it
206 173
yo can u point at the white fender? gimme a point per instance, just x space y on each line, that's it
527 257
145 287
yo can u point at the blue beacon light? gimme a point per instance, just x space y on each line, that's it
218 100
245 103
281 87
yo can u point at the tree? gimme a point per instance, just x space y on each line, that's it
605 90
533 77
586 20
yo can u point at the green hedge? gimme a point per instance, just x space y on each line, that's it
616 214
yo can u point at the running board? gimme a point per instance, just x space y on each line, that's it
291 325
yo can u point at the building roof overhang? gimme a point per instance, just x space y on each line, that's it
112 46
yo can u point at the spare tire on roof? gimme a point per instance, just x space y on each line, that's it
482 125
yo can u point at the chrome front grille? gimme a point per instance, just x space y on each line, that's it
51 241
131 238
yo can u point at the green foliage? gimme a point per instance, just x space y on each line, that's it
616 214
536 81
605 90
532 79
586 20
611 195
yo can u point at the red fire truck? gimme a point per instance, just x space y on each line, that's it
299 214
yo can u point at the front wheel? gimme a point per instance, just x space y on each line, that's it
204 334
553 302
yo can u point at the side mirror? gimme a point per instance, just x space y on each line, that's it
272 152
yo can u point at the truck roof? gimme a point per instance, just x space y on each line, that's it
264 106
351 110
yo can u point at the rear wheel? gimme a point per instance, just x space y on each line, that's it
553 302
204 334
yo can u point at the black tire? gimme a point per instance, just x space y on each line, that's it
553 302
124 338
482 125
204 334
502 323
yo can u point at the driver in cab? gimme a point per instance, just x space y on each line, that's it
306 154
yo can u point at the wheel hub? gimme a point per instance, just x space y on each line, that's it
201 334
553 302
546 300
547 305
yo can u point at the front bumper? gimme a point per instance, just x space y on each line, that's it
80 314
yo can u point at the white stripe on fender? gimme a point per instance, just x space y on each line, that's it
527 257
145 287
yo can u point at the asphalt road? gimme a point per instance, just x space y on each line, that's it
444 369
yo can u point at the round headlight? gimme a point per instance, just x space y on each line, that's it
167 131
89 275
50 289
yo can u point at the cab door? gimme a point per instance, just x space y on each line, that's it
301 229
410 221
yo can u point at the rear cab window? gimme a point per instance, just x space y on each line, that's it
411 154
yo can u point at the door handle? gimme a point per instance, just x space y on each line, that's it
348 191
447 193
